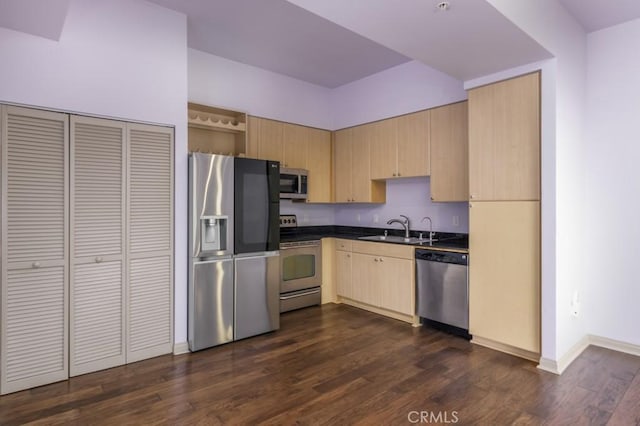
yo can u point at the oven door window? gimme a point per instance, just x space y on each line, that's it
288 184
298 267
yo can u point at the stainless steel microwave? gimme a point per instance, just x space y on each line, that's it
293 184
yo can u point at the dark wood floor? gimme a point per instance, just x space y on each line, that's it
339 365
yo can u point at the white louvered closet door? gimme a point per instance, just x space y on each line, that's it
97 313
150 241
34 247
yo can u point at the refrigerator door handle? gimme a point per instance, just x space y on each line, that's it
201 260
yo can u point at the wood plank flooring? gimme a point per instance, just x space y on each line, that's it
339 365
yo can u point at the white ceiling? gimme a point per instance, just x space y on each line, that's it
595 15
470 40
281 37
333 42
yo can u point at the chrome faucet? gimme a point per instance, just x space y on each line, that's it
405 224
430 228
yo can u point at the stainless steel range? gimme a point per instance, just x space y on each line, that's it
301 271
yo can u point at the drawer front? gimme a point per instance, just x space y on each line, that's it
344 245
383 249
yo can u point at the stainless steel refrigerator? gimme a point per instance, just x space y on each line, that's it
234 267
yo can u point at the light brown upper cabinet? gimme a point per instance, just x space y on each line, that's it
266 139
297 147
342 165
504 140
400 146
413 144
352 169
319 165
382 137
294 146
449 153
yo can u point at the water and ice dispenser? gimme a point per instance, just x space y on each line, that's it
214 232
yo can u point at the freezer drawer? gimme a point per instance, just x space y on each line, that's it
300 299
211 299
257 300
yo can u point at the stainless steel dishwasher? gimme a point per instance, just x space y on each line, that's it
442 293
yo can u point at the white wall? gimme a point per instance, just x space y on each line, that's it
410 197
405 88
122 58
612 182
218 81
563 173
309 214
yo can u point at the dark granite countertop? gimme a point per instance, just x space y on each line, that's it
446 240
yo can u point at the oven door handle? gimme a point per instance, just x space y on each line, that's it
298 246
306 293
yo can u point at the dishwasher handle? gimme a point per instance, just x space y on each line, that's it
442 257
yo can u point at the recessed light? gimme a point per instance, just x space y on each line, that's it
443 6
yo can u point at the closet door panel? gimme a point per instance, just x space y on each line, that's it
34 152
97 333
150 243
97 218
150 308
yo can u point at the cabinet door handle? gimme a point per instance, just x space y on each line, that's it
348 255
381 260
375 260
394 174
399 174
35 265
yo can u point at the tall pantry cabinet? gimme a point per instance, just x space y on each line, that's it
504 217
86 245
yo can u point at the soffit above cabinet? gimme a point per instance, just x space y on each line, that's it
36 17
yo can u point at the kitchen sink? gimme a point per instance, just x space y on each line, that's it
396 239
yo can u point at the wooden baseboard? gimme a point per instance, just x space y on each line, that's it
491 344
549 365
616 345
411 319
558 367
180 348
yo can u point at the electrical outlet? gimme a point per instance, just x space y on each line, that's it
305 218
358 217
376 218
575 304
456 220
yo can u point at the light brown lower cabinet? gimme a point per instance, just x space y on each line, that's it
504 276
377 277
344 285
